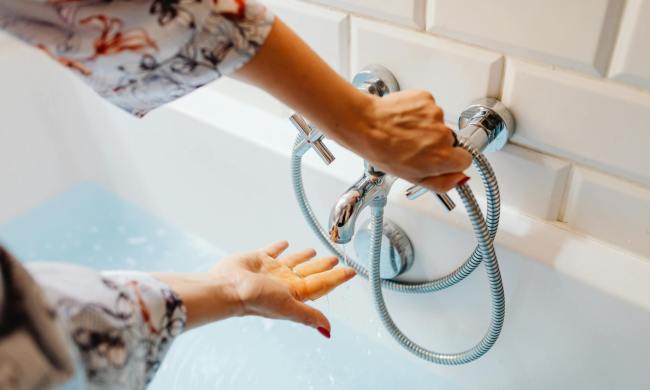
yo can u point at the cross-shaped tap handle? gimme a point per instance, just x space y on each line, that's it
312 137
415 192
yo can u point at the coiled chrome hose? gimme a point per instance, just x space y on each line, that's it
484 229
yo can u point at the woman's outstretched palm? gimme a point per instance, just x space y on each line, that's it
276 287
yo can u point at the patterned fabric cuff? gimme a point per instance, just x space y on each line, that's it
162 312
142 54
121 324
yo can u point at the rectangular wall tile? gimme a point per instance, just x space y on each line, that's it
578 34
610 209
409 13
592 121
456 74
531 182
631 61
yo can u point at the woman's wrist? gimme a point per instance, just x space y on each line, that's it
207 297
350 126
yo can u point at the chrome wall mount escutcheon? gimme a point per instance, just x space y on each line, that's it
487 124
397 254
376 80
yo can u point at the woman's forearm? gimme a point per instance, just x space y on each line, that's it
290 70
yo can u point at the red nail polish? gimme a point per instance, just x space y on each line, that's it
463 181
324 332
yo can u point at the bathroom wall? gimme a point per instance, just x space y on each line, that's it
576 75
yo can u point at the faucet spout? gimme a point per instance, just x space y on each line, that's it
373 185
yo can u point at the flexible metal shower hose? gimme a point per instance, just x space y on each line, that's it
484 229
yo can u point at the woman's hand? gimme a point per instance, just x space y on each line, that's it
405 134
261 283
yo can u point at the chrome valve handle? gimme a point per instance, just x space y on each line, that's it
445 201
311 138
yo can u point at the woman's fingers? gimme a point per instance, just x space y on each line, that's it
443 183
307 315
455 160
316 266
274 250
294 259
461 158
317 285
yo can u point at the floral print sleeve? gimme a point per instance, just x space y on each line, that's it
140 54
103 330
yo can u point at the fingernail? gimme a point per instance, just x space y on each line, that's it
463 181
324 332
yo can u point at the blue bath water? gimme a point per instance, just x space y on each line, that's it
90 226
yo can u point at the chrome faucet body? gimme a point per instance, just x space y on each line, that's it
373 186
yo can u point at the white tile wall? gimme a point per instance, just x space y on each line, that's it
588 120
456 74
610 209
405 12
631 61
578 33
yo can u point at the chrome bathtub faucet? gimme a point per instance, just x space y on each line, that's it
486 125
384 251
